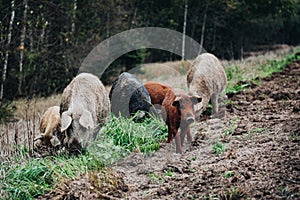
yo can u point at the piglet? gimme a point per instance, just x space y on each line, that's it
178 112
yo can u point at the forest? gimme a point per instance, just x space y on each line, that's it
44 42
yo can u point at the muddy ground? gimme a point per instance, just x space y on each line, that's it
261 133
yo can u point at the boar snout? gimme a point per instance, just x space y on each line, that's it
190 120
74 145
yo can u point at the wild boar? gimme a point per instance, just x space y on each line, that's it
178 112
128 96
84 108
157 92
206 77
49 128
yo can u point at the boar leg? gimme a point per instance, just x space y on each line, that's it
178 143
182 135
204 103
185 130
215 105
188 134
171 134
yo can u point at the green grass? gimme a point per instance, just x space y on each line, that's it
229 174
239 78
219 148
233 193
29 177
257 130
168 172
25 177
233 125
156 178
143 137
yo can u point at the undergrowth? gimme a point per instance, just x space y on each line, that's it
7 109
29 177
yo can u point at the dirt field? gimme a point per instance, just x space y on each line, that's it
261 133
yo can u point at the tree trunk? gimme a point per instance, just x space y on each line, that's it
74 16
214 39
242 53
184 30
10 27
107 25
21 47
203 29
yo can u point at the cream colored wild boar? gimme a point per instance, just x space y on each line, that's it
84 108
206 77
49 128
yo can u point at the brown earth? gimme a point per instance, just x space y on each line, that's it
261 133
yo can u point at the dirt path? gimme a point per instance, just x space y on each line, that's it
262 157
261 133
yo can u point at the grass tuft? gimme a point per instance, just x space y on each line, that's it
29 178
233 125
130 136
219 148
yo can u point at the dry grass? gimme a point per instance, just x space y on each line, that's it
21 130
249 64
173 73
35 106
169 73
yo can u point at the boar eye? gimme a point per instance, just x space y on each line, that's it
176 104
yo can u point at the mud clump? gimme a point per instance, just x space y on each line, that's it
106 184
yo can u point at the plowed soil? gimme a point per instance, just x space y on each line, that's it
261 134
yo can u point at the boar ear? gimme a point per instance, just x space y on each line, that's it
39 137
196 99
176 101
43 125
86 120
66 121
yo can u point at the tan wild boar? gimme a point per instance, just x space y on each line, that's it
206 77
84 108
49 128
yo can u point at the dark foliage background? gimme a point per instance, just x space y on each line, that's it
59 34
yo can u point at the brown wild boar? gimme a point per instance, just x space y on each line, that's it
178 112
157 91
206 77
84 108
49 128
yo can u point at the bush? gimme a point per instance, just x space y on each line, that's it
6 110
